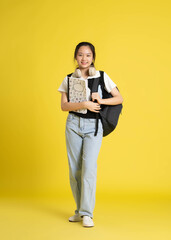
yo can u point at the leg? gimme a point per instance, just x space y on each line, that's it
74 152
91 147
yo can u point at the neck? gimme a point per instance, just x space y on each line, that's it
84 72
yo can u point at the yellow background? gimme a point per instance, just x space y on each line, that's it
132 41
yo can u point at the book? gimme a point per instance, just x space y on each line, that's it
77 92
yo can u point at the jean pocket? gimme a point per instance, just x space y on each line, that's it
91 120
70 117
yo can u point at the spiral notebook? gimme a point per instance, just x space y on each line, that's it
77 92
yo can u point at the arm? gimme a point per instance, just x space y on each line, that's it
69 106
116 99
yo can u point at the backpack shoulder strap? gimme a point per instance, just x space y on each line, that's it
69 75
97 81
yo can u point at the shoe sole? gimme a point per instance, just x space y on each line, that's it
74 221
88 226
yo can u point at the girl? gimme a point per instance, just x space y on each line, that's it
82 145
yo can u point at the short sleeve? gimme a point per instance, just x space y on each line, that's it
64 86
109 84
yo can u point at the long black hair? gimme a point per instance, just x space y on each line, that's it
90 46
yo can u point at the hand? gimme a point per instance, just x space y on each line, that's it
96 96
93 107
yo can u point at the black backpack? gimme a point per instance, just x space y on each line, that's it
109 114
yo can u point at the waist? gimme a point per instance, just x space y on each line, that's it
89 114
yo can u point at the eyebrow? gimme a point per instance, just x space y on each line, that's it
86 53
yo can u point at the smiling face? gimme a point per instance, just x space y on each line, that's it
84 57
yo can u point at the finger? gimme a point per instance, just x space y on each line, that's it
97 109
97 105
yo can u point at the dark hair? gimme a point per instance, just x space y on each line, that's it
85 44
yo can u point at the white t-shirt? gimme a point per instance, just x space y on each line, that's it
109 84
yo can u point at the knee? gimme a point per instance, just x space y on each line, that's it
75 175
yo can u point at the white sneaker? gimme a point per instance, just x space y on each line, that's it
75 218
88 221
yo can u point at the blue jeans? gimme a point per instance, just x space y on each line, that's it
82 151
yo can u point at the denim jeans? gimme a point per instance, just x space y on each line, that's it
82 151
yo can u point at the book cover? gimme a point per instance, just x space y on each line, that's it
77 92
